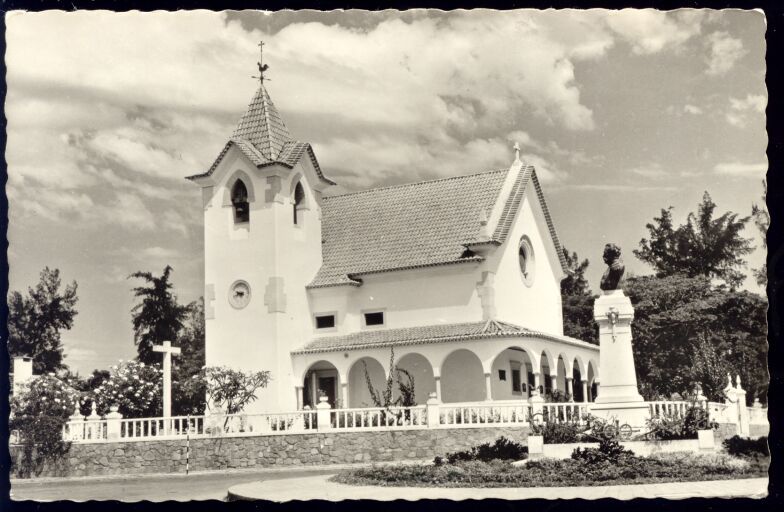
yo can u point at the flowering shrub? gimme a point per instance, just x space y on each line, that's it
38 412
134 387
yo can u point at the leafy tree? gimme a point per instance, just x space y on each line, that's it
133 386
189 391
704 246
232 390
709 370
35 321
676 315
158 317
575 283
762 221
577 301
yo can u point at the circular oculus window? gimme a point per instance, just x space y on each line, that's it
526 255
239 294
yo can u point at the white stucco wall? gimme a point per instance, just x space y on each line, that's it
537 306
271 254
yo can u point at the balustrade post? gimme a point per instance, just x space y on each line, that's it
536 401
743 411
113 423
323 414
433 411
75 426
93 426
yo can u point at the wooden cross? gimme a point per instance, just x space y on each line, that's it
168 351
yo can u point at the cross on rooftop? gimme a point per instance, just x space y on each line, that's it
517 150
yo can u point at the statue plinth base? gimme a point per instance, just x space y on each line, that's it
617 395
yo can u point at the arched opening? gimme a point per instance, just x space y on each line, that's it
511 372
358 392
422 372
592 387
321 379
526 260
462 378
299 199
546 381
577 382
239 201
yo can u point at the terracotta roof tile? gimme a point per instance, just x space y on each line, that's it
408 226
428 334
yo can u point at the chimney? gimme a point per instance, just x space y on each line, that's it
23 371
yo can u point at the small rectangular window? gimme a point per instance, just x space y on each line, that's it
501 374
376 318
325 321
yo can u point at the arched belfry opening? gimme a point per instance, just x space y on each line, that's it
299 200
239 200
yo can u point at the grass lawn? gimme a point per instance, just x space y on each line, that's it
626 469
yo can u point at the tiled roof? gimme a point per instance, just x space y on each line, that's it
262 126
409 226
426 335
264 139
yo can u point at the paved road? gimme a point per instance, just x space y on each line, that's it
318 487
200 486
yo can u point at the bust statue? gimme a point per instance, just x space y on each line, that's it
615 268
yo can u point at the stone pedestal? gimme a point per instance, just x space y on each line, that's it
617 395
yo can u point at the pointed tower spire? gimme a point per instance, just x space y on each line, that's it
262 126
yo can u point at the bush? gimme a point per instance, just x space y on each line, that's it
134 387
555 433
739 446
609 450
39 412
502 449
674 426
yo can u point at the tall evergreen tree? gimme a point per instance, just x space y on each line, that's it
704 246
190 390
158 317
35 321
762 221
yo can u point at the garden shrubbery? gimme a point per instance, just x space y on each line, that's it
557 433
668 427
503 449
742 447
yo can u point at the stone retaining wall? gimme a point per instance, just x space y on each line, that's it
98 459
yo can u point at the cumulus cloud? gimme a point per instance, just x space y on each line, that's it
692 109
723 52
755 102
654 171
742 169
650 31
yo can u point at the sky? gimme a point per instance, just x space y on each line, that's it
623 113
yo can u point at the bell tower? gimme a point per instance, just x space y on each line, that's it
262 245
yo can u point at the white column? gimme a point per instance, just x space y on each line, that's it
344 394
438 387
569 388
488 386
300 398
584 382
537 383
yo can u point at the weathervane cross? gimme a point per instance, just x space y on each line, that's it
262 67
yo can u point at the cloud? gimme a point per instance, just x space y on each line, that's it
650 31
159 252
724 52
742 169
755 102
692 109
654 171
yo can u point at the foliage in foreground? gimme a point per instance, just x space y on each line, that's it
38 413
626 469
502 449
671 426
742 447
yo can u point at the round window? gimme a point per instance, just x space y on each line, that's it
526 255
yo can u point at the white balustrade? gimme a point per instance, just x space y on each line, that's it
379 417
484 414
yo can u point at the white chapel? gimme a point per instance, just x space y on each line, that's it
458 278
